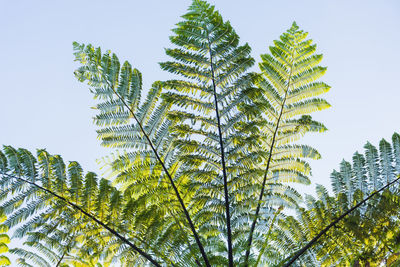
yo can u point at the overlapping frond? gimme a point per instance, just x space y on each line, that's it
52 229
137 170
213 153
216 103
207 102
367 236
367 172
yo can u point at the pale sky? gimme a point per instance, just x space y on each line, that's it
42 105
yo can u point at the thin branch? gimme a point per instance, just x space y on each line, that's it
326 229
112 231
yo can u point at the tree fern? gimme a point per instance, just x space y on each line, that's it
217 145
201 166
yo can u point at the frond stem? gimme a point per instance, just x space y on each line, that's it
228 217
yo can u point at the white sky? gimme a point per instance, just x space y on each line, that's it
43 106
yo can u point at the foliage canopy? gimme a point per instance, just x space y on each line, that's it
202 164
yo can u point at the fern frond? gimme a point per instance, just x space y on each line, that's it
365 235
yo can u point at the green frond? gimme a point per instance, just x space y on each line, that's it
288 84
364 236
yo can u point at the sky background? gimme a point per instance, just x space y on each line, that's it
42 105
